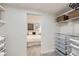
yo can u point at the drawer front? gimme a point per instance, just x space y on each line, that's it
63 46
61 40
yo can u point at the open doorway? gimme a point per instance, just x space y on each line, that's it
33 35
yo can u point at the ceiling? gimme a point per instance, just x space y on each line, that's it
54 8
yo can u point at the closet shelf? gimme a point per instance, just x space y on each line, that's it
74 46
63 21
71 19
2 22
76 41
2 8
61 38
2 38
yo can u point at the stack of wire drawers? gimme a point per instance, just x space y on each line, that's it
2 46
62 44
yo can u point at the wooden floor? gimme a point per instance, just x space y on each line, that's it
50 54
34 51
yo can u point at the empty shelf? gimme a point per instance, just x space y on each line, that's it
74 46
76 42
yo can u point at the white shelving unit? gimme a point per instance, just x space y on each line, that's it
2 37
75 45
74 40
62 44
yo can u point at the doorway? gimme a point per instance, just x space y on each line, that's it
33 35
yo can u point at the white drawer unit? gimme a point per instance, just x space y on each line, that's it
59 53
61 49
60 40
62 44
2 46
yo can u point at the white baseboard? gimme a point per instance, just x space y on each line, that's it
48 51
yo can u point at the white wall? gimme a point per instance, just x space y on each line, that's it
70 27
66 28
16 31
33 18
76 26
49 28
